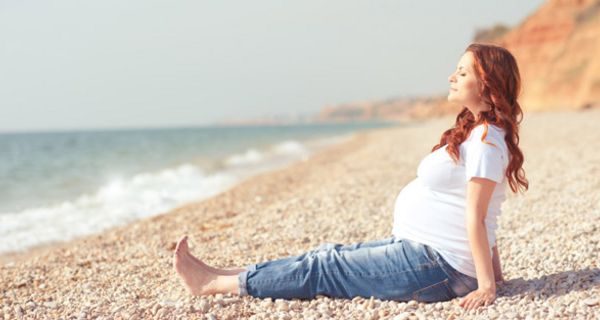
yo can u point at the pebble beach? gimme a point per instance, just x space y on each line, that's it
548 237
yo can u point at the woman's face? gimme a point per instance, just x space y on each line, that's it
464 88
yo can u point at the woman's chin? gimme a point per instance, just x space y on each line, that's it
451 97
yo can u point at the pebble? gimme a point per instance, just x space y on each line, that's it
281 305
50 304
202 306
399 307
420 315
284 316
402 316
590 302
155 308
492 314
211 316
116 309
295 304
161 313
371 303
166 303
267 303
30 305
227 301
371 316
19 311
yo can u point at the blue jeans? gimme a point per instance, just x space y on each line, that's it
388 269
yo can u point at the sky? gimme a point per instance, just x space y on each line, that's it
77 65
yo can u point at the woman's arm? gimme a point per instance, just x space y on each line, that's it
479 192
496 264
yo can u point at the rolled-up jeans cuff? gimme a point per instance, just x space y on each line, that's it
243 278
251 267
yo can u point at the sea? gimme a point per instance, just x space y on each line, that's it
56 186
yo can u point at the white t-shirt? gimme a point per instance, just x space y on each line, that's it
431 209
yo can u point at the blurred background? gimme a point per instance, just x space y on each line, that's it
114 111
109 64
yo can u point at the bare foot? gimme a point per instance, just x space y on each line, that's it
183 245
197 280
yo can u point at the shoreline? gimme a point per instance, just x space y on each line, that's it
321 145
344 194
313 145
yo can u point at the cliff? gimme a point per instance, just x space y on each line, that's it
558 51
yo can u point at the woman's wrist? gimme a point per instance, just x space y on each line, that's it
487 286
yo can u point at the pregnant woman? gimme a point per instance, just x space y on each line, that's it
443 243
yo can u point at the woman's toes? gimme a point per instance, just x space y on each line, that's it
184 244
181 245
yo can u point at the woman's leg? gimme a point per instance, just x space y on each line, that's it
321 248
400 270
200 278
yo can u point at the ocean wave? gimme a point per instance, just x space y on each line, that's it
290 148
287 149
118 202
123 200
251 156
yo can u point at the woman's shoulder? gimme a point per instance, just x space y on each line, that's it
488 132
487 129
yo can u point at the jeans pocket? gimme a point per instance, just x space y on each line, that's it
460 283
430 254
436 292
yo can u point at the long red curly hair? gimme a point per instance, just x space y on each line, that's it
499 85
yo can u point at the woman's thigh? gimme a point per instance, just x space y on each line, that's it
400 270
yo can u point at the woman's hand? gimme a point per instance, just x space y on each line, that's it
478 298
499 280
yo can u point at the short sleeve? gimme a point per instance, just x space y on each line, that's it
484 160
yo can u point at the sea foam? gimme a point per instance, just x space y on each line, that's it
118 202
122 200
